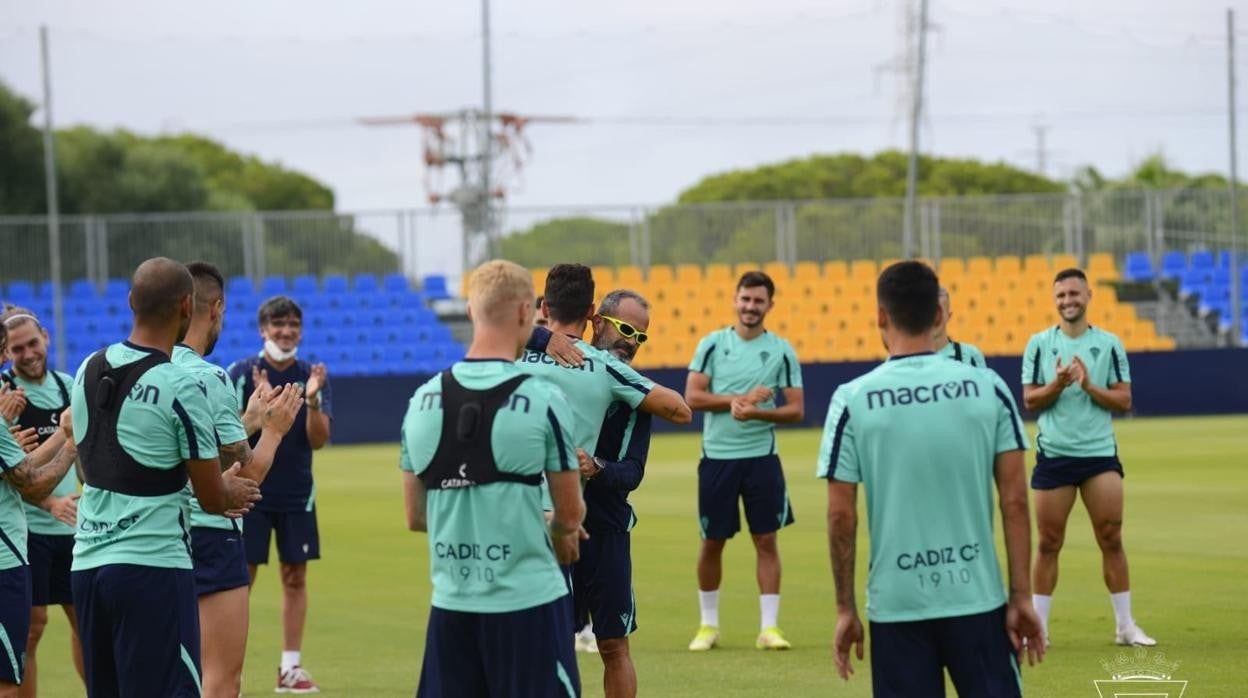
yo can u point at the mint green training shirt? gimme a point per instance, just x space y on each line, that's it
489 545
736 366
47 395
227 421
163 422
12 513
921 434
1075 425
966 353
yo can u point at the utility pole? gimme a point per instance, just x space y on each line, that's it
916 113
54 223
1042 153
1237 318
487 138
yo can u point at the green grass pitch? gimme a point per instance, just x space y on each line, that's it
1186 534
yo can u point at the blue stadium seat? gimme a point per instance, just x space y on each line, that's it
382 336
374 318
366 283
335 283
117 288
1193 281
44 290
273 286
395 282
303 284
81 288
409 335
435 287
358 301
315 353
239 285
23 291
1138 267
1224 259
1173 264
449 352
1201 259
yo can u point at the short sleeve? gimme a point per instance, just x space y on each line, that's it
1031 363
790 369
1011 436
192 420
626 383
838 455
224 403
1119 371
421 431
977 358
560 449
11 455
702 356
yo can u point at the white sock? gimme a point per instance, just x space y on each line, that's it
709 602
1043 603
1122 609
290 660
770 606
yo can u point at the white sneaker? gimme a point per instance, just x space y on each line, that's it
1133 635
586 642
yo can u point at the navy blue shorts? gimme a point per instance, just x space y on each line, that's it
520 653
139 628
910 659
297 537
602 586
50 558
220 560
1052 472
757 482
14 621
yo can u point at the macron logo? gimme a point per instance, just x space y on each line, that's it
923 394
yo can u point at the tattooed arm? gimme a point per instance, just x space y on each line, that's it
842 544
39 472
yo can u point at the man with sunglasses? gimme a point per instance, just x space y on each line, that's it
734 377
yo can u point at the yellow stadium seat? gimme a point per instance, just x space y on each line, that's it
742 267
1036 265
660 274
1008 264
604 278
719 273
980 267
778 271
864 269
689 274
1063 261
628 276
806 271
1101 267
951 268
539 280
835 270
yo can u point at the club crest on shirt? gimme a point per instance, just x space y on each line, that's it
764 355
1096 352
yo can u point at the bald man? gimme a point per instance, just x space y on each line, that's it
143 429
959 351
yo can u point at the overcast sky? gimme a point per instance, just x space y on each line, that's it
1113 81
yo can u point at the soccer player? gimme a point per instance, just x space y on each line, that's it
32 477
35 399
602 580
602 379
734 377
1075 376
927 437
289 505
217 550
476 441
143 427
944 344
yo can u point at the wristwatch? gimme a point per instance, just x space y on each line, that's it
600 464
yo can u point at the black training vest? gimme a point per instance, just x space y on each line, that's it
957 350
464 457
105 464
46 422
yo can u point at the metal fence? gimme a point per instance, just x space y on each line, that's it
419 242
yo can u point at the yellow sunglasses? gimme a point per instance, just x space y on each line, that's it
626 329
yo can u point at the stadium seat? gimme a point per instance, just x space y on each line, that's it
434 287
303 285
690 274
335 284
273 286
23 291
604 279
117 288
1202 259
368 284
82 288
1139 267
1173 264
719 274
395 282
660 275
1009 264
239 285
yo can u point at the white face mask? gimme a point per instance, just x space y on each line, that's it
275 352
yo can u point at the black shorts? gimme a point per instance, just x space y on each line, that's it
519 653
1052 472
50 558
220 560
14 621
757 482
139 628
297 537
910 659
602 586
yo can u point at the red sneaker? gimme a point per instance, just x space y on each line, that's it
295 681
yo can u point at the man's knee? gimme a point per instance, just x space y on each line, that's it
613 650
765 544
294 577
38 622
1109 535
713 547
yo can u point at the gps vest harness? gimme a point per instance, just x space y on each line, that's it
465 457
105 464
45 422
